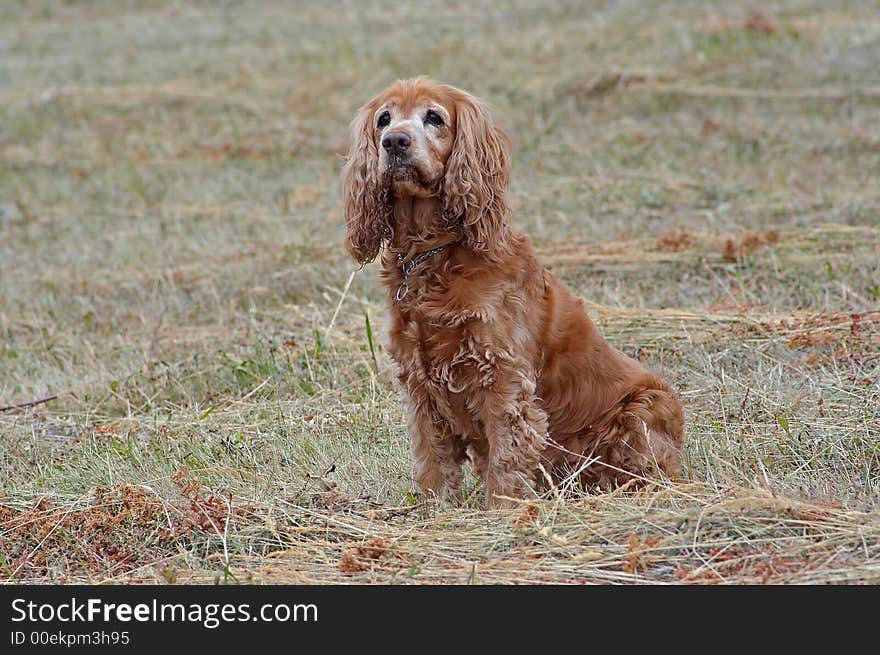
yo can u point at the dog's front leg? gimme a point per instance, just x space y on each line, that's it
516 430
438 453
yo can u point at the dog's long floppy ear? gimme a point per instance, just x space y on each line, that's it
476 178
365 200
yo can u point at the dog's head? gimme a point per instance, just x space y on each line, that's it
422 139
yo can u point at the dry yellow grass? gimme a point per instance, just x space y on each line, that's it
171 269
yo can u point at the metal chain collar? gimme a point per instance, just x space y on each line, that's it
407 269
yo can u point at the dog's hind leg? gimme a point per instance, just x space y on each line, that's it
640 438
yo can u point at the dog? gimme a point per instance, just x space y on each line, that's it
498 361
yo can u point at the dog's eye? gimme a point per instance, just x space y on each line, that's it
434 118
384 119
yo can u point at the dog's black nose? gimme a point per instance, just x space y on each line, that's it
396 143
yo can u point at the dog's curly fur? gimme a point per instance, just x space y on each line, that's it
497 359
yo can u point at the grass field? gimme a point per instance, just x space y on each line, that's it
171 268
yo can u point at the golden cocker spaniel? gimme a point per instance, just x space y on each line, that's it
497 359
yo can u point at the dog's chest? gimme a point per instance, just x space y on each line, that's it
433 373
444 359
